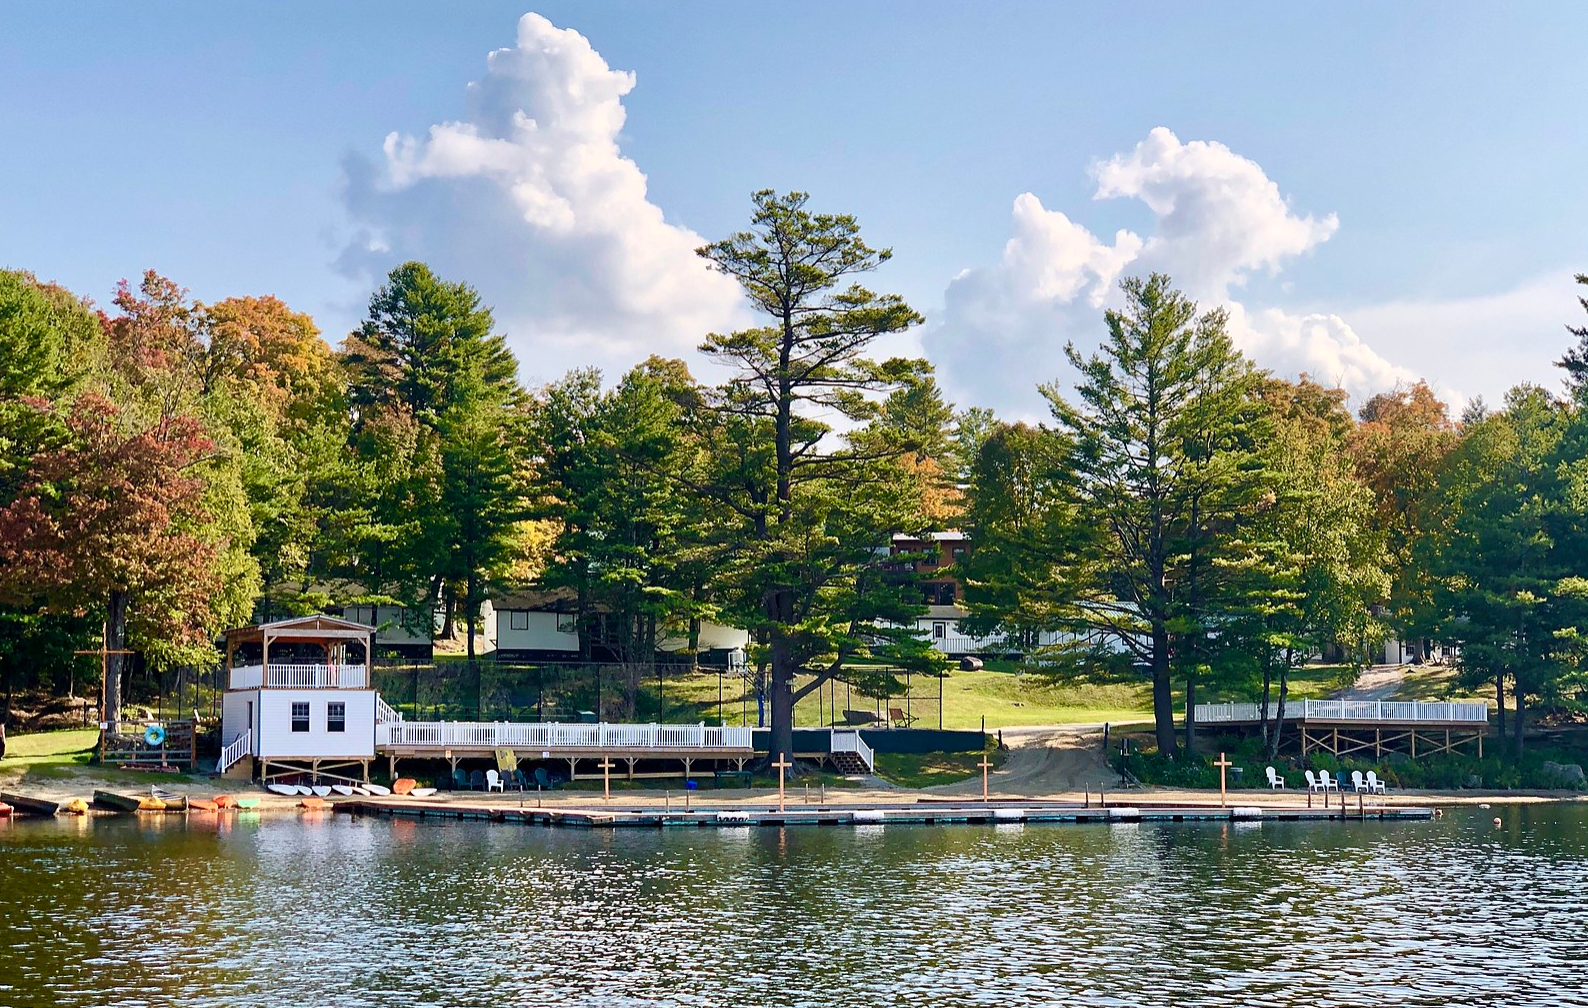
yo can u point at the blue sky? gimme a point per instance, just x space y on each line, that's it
1427 158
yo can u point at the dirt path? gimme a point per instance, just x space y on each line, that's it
1045 760
1377 682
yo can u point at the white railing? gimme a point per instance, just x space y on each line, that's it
1348 710
548 736
851 742
235 750
301 676
385 712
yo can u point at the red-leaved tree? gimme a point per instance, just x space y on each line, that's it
110 523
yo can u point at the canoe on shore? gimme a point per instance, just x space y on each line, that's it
26 805
117 802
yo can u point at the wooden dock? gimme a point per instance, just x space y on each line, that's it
1001 813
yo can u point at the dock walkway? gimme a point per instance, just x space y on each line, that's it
758 814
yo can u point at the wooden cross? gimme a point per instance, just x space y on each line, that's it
985 765
1223 764
606 766
782 765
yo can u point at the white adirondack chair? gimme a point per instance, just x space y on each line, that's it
1275 781
493 782
1328 782
1374 785
1313 784
1358 782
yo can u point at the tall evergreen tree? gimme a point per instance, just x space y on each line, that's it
812 513
1162 457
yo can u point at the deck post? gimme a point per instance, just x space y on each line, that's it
1480 745
1414 743
1378 752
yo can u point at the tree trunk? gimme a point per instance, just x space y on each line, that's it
449 608
1190 711
1268 682
781 690
115 640
1520 723
1499 702
1279 715
1162 692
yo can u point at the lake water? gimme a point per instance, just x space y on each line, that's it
331 911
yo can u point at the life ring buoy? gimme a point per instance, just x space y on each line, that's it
154 735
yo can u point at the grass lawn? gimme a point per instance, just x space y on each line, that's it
1438 682
71 746
63 756
926 769
998 693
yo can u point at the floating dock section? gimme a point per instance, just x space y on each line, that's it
868 815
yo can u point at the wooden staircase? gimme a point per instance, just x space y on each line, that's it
850 764
850 754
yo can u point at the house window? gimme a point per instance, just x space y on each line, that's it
958 551
939 631
567 623
518 619
300 717
335 717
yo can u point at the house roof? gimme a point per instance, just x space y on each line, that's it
316 627
554 600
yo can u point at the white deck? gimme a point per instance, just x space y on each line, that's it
411 737
1365 712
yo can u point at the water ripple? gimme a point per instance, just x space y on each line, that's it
331 912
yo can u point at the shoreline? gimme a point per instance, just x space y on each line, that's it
797 796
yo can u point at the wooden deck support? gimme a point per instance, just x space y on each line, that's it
1345 741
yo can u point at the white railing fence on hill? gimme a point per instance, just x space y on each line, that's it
1409 711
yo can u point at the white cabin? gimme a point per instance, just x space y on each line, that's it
299 692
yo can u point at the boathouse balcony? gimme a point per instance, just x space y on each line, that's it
299 675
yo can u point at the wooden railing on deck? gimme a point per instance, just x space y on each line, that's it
548 736
1408 711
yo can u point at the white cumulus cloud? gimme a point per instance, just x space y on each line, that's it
1217 217
530 199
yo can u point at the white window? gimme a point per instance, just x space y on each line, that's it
939 631
567 623
300 717
517 619
335 717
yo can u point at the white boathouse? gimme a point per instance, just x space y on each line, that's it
299 696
